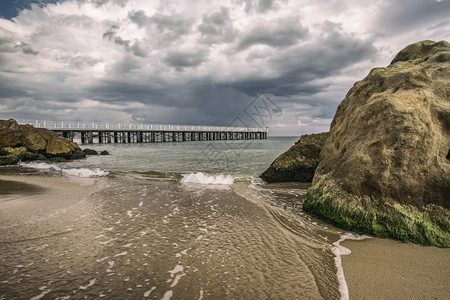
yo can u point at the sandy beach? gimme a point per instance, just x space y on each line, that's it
376 268
387 269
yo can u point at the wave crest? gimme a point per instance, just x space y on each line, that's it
76 172
200 178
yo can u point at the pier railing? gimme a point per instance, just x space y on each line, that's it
93 126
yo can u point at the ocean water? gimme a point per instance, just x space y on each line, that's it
164 221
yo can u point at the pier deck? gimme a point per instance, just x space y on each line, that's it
147 133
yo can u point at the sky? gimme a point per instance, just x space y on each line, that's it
283 64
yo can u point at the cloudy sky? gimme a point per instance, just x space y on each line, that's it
286 64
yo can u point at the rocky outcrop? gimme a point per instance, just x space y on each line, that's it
24 142
385 167
90 152
299 162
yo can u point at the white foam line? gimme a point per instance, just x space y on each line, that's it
41 295
147 293
167 295
177 278
91 283
102 259
121 254
338 251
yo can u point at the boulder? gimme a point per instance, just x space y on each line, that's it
90 152
29 143
104 152
299 162
385 167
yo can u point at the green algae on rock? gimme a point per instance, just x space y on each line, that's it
384 169
299 162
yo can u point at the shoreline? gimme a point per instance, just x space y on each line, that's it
387 269
375 269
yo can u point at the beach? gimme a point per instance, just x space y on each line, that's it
130 237
376 268
388 269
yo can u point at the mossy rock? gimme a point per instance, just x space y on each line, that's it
90 152
299 162
78 155
430 226
10 159
292 173
30 156
57 159
104 152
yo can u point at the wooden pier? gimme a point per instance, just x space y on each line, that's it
148 133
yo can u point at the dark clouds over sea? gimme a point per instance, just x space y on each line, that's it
200 62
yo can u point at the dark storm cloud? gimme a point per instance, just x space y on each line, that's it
303 64
175 24
117 91
217 27
200 62
125 65
10 89
279 33
260 6
399 16
139 18
111 32
134 47
131 46
265 5
186 59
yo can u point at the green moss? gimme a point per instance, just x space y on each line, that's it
430 227
10 159
58 159
90 152
78 154
28 156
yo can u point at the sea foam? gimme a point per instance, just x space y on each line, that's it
200 178
339 250
76 172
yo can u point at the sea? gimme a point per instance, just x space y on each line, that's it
175 220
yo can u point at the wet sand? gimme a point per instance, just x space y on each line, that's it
8 187
376 269
387 269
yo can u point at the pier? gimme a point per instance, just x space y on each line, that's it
90 132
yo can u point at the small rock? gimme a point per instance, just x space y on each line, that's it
90 152
299 162
104 152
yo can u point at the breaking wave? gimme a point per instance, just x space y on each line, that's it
200 178
76 172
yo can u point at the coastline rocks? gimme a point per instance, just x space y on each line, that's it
299 162
385 167
90 152
24 142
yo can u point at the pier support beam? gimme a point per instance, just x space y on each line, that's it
90 137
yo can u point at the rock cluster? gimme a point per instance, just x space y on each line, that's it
24 142
299 162
385 167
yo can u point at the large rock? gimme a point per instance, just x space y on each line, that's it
26 142
385 167
299 162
